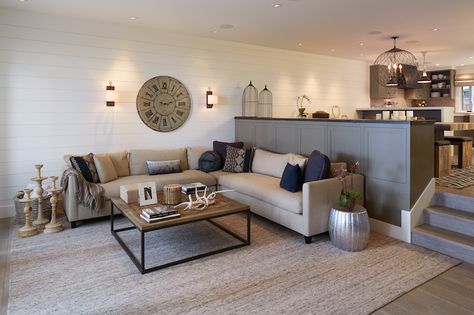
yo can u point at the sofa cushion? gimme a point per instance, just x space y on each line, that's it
210 161
237 160
291 178
318 167
221 147
112 189
105 168
193 154
265 188
269 163
163 167
120 161
299 159
85 165
138 159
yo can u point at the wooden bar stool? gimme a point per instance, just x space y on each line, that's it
464 145
442 158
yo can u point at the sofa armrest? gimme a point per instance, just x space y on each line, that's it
70 201
320 196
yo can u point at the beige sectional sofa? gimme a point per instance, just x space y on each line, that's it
306 211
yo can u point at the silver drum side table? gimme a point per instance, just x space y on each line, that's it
349 230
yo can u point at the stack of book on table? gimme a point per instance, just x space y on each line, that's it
191 188
159 213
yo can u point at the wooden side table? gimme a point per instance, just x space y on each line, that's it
349 229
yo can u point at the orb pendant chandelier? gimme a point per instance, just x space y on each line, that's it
398 62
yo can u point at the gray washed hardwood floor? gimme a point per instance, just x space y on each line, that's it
449 293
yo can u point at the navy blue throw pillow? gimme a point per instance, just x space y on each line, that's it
291 178
85 165
318 167
210 161
221 148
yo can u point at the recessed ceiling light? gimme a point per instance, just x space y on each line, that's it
300 44
333 50
437 65
215 31
277 5
22 0
462 64
435 29
361 44
226 26
471 57
132 18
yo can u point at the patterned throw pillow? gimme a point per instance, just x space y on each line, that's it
85 165
163 167
237 160
221 148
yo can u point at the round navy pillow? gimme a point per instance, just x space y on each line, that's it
210 161
318 167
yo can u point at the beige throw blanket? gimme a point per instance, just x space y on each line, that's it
88 194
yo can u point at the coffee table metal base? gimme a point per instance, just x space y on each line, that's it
140 263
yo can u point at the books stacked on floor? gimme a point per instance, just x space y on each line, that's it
160 213
191 188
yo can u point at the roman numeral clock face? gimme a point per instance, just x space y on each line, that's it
163 103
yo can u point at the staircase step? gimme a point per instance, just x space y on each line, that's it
450 243
455 201
450 219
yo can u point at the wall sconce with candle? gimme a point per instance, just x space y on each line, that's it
211 99
110 95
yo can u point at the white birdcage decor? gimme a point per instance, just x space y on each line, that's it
265 103
250 101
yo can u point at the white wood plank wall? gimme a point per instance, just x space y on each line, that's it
53 73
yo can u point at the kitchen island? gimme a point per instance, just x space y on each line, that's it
396 156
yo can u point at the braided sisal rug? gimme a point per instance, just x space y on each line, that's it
460 178
85 271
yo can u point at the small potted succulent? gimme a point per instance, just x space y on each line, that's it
348 197
300 104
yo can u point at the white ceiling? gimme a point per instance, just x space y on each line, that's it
328 27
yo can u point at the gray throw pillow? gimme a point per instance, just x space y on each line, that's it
210 161
163 167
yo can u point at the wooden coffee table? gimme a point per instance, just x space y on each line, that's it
223 206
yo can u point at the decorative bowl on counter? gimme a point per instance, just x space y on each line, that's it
435 94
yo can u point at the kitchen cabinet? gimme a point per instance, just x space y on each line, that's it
442 84
421 92
378 90
379 73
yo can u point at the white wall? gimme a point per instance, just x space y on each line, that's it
53 73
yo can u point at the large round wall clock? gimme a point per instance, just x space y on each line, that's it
163 103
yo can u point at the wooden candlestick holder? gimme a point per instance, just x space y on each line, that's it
40 221
53 226
27 230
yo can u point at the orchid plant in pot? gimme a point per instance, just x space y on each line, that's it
300 104
348 197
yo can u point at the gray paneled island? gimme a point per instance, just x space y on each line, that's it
396 156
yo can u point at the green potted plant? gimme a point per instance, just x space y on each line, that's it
348 197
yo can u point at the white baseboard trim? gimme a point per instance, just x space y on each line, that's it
391 230
409 219
7 211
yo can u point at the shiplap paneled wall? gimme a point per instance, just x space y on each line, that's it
53 73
